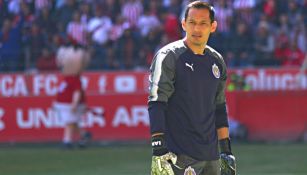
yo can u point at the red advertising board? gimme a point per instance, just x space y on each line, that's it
26 112
270 115
19 85
33 118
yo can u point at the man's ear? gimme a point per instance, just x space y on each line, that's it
183 24
213 26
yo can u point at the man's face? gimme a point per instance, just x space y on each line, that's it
198 26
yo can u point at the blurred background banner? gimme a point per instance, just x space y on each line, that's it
268 102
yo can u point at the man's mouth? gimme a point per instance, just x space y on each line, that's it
196 36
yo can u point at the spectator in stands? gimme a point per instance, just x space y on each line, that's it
244 10
304 12
99 27
171 25
269 9
224 15
293 12
14 7
298 36
111 8
174 7
282 50
10 42
295 57
26 14
64 14
3 10
264 46
126 49
241 46
132 10
41 4
118 28
154 7
46 22
46 61
58 38
85 12
35 41
147 22
149 47
283 23
112 62
76 30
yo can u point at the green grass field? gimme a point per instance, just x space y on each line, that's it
252 159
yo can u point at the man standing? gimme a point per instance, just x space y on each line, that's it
187 107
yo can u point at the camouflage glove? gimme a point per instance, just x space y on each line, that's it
161 165
228 164
227 159
162 158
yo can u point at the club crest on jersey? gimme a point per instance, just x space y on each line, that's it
189 171
216 71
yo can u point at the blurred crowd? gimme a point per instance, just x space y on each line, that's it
125 34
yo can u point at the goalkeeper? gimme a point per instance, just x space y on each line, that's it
187 106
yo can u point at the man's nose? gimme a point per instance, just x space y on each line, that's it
197 28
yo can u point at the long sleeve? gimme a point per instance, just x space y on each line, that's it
220 110
162 74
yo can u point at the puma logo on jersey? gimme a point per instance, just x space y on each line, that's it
190 66
156 143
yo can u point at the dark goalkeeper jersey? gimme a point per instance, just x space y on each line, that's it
186 100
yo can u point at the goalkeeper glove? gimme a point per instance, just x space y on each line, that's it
162 159
227 159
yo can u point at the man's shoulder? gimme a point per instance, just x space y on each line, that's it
215 54
175 48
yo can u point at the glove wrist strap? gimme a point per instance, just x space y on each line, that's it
158 145
225 146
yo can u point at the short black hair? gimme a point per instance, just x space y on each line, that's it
200 5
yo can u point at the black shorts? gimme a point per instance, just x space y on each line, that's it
188 166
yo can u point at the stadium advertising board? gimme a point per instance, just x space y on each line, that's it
26 112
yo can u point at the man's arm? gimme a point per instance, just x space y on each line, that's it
221 121
228 163
75 100
161 88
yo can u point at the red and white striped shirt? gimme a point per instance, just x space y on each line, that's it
222 16
245 8
132 11
40 4
77 31
244 4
